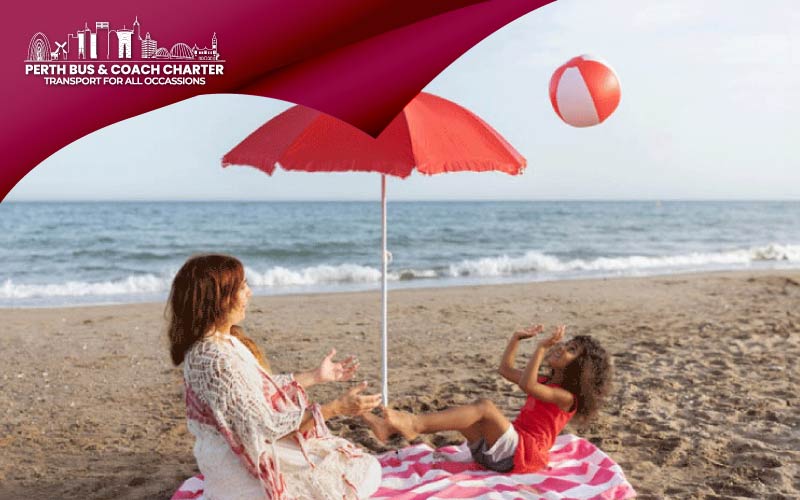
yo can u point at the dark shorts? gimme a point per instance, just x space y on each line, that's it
502 457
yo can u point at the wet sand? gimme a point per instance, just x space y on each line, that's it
705 404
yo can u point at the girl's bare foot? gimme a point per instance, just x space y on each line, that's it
379 426
402 422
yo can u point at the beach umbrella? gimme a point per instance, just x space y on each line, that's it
431 134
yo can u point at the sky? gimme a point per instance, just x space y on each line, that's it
709 110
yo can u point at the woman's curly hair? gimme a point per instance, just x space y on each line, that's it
588 376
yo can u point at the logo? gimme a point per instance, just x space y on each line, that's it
115 56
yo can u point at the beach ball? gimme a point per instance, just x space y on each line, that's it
584 91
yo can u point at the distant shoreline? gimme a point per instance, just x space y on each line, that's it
454 200
408 289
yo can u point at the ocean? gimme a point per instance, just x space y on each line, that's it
75 253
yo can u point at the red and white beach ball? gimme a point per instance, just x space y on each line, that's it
584 91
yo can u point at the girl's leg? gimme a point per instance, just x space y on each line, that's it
480 419
379 426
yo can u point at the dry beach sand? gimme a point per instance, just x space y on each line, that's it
705 405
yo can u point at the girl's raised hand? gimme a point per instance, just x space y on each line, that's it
555 338
529 332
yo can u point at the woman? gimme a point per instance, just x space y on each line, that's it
257 435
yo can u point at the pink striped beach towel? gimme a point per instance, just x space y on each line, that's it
577 470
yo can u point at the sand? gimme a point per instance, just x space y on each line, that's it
705 405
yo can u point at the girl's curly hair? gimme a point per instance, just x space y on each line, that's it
589 376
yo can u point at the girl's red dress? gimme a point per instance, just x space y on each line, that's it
538 425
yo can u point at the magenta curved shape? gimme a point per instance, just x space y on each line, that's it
359 60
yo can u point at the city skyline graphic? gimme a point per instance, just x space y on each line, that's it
127 43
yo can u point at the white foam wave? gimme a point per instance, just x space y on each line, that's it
344 274
316 275
539 262
413 274
330 275
275 277
132 285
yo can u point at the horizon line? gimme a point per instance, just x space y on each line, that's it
408 200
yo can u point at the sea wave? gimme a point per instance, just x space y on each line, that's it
534 261
315 275
531 263
132 285
151 284
332 275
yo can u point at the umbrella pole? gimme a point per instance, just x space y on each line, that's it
384 301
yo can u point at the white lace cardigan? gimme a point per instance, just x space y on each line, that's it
246 423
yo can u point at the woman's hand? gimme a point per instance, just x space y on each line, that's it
527 333
555 338
353 403
329 371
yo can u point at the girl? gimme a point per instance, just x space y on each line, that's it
580 381
258 436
